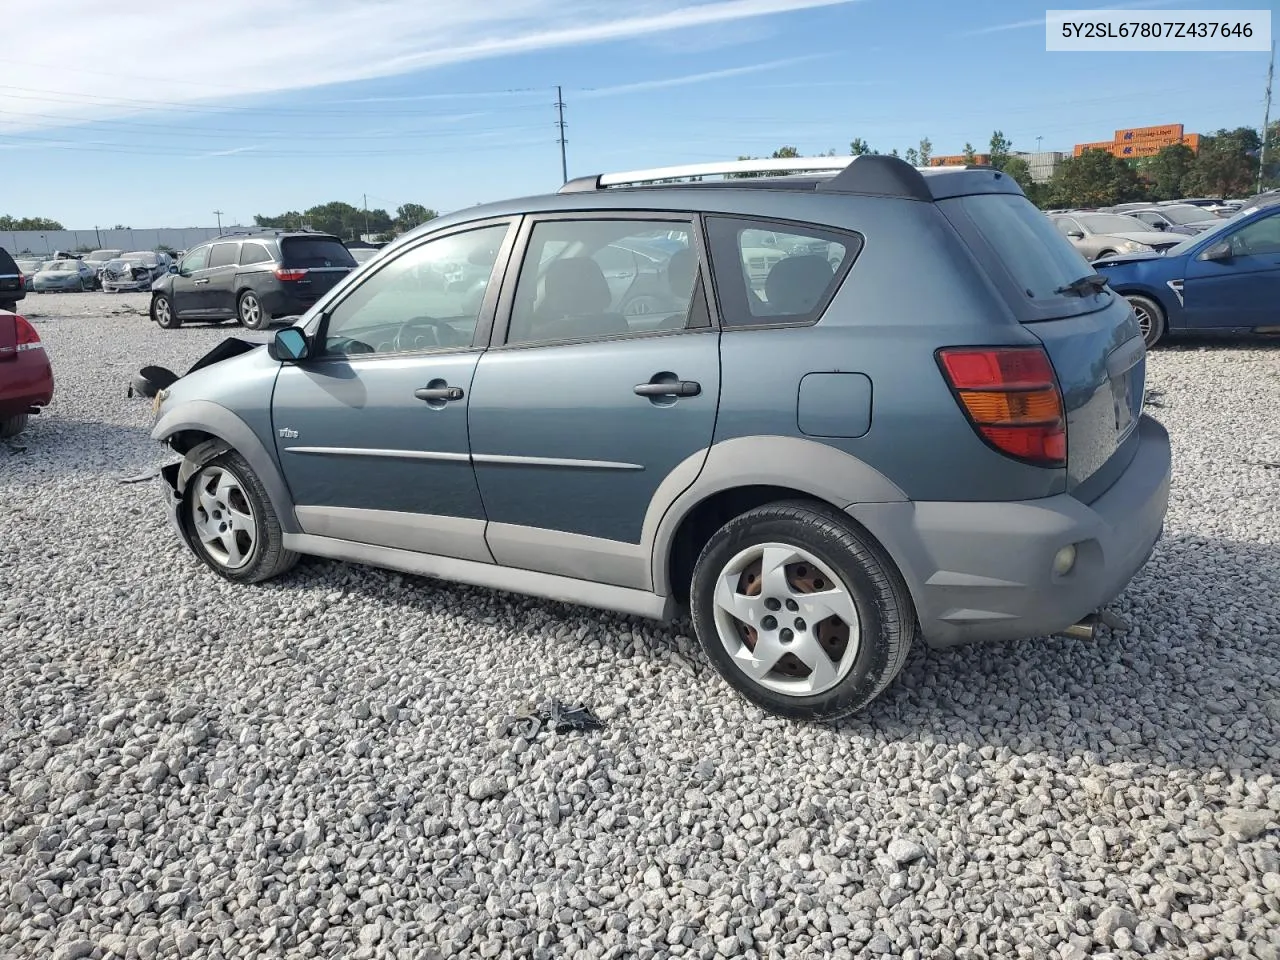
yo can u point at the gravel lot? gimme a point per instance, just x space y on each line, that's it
316 767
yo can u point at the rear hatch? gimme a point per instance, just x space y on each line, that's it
10 276
1089 332
317 262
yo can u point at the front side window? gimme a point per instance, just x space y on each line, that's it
591 279
427 298
1260 238
767 274
195 260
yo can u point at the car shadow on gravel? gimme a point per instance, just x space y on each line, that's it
1196 341
103 445
1194 682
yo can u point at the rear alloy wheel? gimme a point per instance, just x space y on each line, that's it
249 309
800 612
234 528
13 426
162 312
1151 319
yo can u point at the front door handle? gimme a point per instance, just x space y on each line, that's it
438 393
199 282
674 388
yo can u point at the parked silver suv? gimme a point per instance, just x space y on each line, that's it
825 413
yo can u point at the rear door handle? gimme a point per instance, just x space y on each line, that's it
438 393
676 388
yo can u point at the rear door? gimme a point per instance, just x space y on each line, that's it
319 262
1243 289
189 283
579 412
1092 339
218 295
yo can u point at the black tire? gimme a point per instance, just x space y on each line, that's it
250 312
1151 318
163 314
267 557
1104 254
13 425
886 616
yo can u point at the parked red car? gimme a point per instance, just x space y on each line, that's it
26 378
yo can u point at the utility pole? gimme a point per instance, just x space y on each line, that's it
564 164
218 214
1038 139
1266 117
366 214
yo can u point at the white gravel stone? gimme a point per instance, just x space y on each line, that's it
310 767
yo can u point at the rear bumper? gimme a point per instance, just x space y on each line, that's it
285 303
25 382
983 571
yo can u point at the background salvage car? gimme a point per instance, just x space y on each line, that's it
1106 234
62 275
133 271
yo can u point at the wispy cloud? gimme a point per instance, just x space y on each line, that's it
197 54
1039 21
225 153
692 78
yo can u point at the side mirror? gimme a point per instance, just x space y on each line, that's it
1219 251
1075 234
289 345
173 268
1160 225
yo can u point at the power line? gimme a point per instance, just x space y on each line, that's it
564 164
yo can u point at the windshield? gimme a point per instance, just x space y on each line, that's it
103 254
1112 223
1039 258
1185 213
142 257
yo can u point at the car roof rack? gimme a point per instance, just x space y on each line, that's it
866 174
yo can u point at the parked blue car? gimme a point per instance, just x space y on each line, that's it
1226 279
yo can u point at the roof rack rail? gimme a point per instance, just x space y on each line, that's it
869 174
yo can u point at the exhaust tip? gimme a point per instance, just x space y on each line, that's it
1086 629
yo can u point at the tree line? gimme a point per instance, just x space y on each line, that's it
350 222
1226 166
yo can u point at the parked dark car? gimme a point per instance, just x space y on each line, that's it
251 278
13 284
1226 279
478 404
1184 218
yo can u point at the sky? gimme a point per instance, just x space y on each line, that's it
159 116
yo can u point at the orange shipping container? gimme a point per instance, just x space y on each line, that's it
1096 145
958 160
1168 130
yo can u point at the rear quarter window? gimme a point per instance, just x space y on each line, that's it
313 252
6 262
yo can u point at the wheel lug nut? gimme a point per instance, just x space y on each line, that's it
771 603
792 606
786 635
800 625
769 623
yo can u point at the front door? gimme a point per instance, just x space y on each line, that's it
372 432
1243 289
580 412
189 283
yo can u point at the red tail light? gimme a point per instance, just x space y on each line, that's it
1011 397
283 273
27 335
22 280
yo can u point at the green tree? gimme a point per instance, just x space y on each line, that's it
926 151
1169 171
410 215
1020 171
912 156
1227 164
893 152
1001 149
29 223
1095 179
970 155
859 147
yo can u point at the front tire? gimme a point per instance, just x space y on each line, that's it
234 529
163 314
249 311
14 425
800 611
1151 319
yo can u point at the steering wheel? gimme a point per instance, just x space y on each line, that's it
442 334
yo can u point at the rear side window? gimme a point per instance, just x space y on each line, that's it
313 252
223 254
254 253
6 262
1036 255
770 273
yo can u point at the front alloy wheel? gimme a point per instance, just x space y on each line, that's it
231 523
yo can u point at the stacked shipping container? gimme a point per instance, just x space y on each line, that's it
1135 142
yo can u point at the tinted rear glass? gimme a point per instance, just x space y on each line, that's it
316 252
224 254
1037 256
6 263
